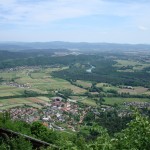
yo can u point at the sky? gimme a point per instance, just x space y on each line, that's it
112 21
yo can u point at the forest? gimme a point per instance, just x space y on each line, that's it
136 135
105 70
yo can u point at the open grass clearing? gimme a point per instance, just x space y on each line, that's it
37 100
135 90
38 75
147 93
6 87
120 100
125 63
102 84
14 100
56 84
26 79
35 105
107 86
10 106
78 98
50 70
9 91
84 100
8 75
46 99
41 79
135 64
89 102
85 84
32 101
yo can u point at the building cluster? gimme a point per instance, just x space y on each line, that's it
14 84
64 106
127 87
19 68
65 113
124 113
27 114
59 114
138 104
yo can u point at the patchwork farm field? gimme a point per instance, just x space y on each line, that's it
85 84
40 80
55 84
89 102
9 91
120 100
133 90
136 65
32 101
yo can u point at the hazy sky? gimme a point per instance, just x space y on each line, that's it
119 21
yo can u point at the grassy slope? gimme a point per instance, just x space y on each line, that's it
118 100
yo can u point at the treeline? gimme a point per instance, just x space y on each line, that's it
108 119
5 55
25 94
45 60
105 72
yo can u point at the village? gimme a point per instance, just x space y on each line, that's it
17 85
57 114
61 112
138 104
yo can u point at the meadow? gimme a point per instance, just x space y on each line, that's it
120 100
31 101
135 65
41 80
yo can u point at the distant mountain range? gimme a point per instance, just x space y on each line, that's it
19 46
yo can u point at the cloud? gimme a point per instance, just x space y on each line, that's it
143 28
42 11
57 15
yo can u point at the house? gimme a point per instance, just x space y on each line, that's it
54 99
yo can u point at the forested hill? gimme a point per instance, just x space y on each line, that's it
15 46
135 137
5 54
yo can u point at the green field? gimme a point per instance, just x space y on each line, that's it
9 91
118 100
40 80
43 81
89 102
135 91
135 64
32 101
8 75
85 84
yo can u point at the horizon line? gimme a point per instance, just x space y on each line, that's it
86 42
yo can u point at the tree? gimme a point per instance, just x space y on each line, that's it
100 100
66 92
16 144
136 136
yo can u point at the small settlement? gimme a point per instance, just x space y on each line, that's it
61 114
58 114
